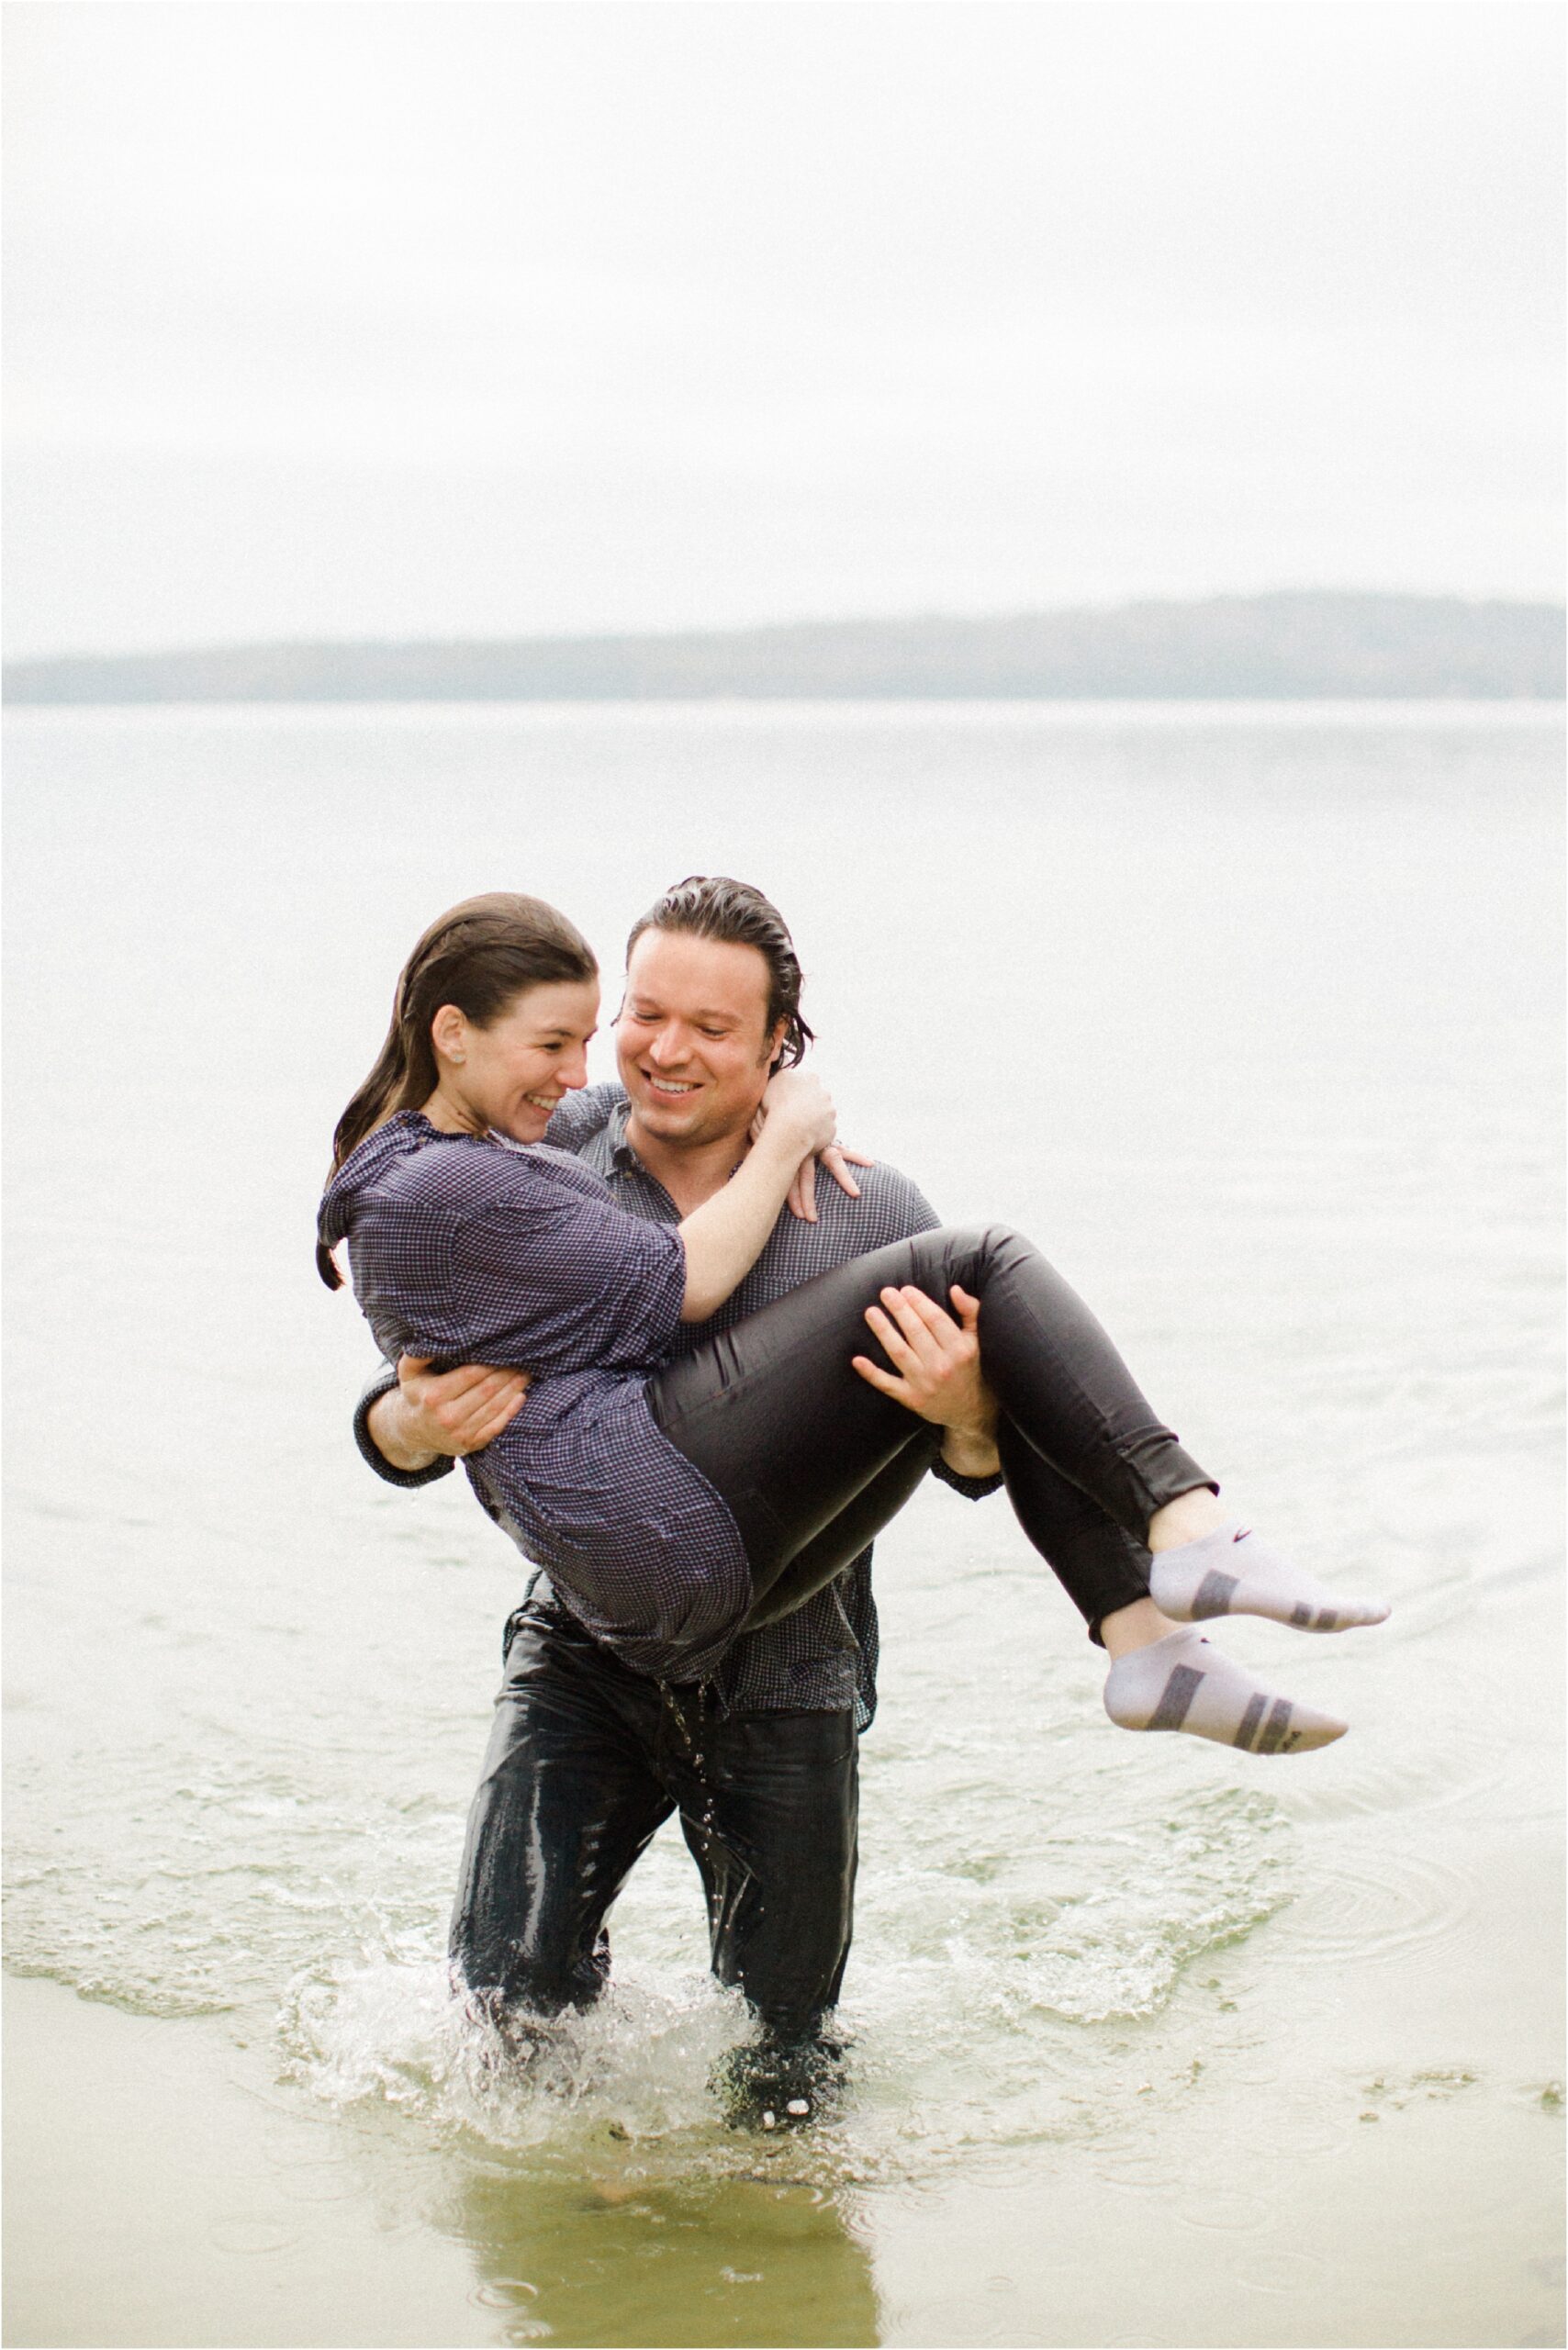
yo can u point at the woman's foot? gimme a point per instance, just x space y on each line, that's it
1183 1683
1231 1572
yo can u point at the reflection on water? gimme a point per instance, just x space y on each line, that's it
599 2196
607 2257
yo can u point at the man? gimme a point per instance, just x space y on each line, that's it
587 1758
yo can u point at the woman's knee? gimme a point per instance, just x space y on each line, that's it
970 1254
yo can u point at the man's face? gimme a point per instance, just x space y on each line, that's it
692 1040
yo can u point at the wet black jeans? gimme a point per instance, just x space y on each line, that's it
585 1760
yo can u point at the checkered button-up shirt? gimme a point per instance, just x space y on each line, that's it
823 1657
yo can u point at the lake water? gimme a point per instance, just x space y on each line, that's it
1250 1015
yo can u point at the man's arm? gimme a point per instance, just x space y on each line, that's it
968 1460
936 1374
412 1422
950 1390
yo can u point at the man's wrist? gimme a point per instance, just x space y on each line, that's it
382 1386
387 1421
971 1451
971 1455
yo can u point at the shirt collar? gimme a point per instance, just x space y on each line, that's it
621 1150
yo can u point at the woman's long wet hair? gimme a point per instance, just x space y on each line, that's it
480 956
710 905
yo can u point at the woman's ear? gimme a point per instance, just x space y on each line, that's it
449 1035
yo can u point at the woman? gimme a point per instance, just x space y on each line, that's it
675 1505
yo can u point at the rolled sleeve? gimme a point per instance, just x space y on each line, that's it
973 1489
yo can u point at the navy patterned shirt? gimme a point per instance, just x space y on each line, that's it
824 1656
469 1250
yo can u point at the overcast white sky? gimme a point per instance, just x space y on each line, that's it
377 319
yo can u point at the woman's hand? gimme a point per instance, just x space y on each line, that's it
799 1107
800 1099
837 1161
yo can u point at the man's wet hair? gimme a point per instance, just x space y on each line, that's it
712 905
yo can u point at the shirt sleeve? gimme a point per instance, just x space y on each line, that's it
973 1489
899 1208
381 1383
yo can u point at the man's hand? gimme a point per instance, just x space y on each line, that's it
937 1372
452 1413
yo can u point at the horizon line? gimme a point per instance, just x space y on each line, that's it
666 633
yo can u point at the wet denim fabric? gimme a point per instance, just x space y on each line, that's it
585 1760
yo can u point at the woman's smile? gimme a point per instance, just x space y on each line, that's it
511 1077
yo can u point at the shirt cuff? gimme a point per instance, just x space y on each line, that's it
973 1489
384 1382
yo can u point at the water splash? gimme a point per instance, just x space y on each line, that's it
634 2067
1003 2024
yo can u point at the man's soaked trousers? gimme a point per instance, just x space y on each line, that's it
585 1760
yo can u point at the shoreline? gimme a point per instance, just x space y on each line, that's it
159 2190
165 2189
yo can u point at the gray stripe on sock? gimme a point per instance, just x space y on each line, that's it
1326 1618
1212 1595
1249 1721
1274 1729
1175 1699
1301 1616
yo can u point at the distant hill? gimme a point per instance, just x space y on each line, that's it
1289 647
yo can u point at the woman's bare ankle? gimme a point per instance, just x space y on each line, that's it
1186 1519
1137 1626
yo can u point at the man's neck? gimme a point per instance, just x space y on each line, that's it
690 1173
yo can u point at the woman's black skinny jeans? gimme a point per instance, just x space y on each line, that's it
812 1461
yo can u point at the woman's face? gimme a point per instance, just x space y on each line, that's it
509 1076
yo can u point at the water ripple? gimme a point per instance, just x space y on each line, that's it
1398 1905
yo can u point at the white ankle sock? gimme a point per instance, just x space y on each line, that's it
1231 1572
1185 1682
